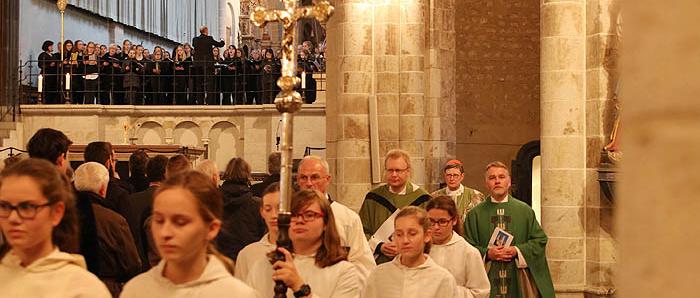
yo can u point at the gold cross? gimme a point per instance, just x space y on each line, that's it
289 100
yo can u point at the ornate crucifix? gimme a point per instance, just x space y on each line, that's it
288 102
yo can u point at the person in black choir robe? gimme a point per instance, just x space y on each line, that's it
49 72
78 79
67 69
228 75
203 63
270 70
181 70
91 69
166 76
307 67
132 79
252 78
111 78
240 80
214 94
155 70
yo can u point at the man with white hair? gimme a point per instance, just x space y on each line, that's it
209 168
105 239
313 173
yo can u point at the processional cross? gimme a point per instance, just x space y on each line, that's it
288 102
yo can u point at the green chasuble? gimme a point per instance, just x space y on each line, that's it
465 202
518 219
380 204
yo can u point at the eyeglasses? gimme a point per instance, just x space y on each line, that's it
443 222
396 171
308 215
25 210
313 178
453 176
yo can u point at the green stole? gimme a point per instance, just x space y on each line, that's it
373 212
519 220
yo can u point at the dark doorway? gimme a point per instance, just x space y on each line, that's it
522 171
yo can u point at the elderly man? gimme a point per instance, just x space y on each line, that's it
105 238
209 168
382 203
313 173
522 265
465 198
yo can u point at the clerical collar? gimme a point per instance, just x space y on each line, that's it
329 198
402 192
455 193
505 200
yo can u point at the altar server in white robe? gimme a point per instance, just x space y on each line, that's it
318 266
313 173
412 273
186 216
259 250
452 252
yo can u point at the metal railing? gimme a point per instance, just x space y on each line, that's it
115 82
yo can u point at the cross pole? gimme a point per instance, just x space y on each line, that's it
287 103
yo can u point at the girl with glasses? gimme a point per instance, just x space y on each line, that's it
317 266
412 273
38 218
186 218
452 252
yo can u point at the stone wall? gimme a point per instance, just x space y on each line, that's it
393 78
234 131
498 81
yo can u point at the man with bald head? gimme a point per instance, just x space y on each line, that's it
313 173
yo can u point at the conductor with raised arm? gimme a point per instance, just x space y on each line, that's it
204 65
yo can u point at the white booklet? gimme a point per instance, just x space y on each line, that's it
384 233
500 238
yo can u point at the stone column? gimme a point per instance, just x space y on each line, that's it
658 206
377 53
563 141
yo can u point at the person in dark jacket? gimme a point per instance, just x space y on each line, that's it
204 63
274 161
137 170
117 190
105 238
242 223
270 74
141 206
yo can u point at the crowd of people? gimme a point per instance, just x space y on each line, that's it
171 230
191 74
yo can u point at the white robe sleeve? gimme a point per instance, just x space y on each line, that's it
349 284
477 283
360 255
520 262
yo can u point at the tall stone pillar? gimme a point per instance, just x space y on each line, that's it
378 78
658 206
563 141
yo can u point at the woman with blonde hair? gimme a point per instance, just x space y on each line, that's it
38 218
317 266
186 218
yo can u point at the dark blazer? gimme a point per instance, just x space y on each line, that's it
242 223
141 207
116 256
203 44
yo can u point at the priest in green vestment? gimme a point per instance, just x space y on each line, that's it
519 269
465 198
380 204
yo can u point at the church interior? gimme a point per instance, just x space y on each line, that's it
538 85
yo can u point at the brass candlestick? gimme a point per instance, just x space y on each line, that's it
288 102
